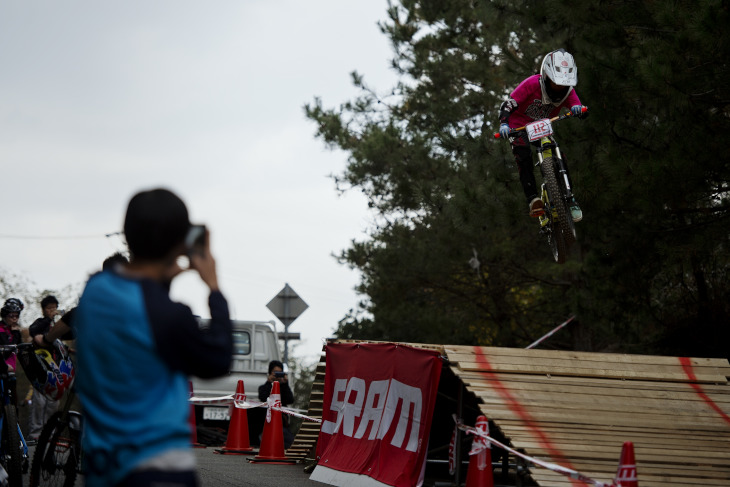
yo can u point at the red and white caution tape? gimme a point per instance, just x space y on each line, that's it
550 333
212 401
240 401
568 472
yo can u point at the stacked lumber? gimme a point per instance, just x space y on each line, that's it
576 409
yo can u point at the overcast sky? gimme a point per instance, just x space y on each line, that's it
103 99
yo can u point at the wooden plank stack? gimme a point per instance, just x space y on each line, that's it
576 409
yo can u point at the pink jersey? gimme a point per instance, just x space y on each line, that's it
11 359
528 96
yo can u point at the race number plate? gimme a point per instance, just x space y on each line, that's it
539 129
218 414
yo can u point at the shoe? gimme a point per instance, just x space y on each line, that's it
575 211
537 208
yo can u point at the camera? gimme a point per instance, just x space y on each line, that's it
279 375
195 239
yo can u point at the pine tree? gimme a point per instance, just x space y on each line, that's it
454 259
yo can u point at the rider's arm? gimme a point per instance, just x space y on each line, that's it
508 106
521 96
61 330
572 99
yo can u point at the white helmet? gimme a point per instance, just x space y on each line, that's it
559 67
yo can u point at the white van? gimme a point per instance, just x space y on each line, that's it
255 344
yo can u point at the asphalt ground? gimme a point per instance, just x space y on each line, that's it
215 470
236 471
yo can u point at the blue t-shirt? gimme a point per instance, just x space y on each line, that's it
136 348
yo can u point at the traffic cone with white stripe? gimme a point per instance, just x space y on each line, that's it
480 461
237 442
626 473
272 440
191 422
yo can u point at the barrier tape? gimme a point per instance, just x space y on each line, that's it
550 333
211 401
568 472
240 401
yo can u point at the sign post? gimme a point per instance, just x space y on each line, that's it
287 306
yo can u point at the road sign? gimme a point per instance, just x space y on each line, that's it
287 305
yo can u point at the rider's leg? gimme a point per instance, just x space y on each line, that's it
523 158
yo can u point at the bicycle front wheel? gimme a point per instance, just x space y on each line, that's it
56 456
11 458
558 198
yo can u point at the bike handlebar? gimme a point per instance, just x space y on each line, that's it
554 119
15 347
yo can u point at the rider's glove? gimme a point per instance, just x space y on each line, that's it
504 131
576 110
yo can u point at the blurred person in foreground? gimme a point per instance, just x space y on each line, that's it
136 349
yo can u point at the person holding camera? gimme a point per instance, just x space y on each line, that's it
276 373
136 349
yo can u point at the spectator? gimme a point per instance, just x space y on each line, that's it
41 407
136 349
62 328
10 328
10 334
276 373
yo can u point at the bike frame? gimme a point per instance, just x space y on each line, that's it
8 400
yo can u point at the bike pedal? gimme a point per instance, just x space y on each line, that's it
537 213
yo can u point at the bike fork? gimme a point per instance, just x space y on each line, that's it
563 173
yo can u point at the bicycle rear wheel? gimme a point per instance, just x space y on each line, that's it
11 457
56 456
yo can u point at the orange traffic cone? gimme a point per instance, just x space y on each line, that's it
626 473
480 461
272 440
237 442
191 422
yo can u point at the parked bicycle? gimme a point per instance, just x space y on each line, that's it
556 223
13 448
57 456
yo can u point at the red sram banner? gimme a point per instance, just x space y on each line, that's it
378 406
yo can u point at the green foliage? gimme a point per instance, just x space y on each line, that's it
303 373
650 268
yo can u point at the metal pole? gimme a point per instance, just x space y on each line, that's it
286 298
457 440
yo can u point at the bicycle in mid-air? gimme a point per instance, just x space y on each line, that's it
556 221
13 448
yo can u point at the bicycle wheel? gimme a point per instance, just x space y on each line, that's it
565 219
11 457
56 455
556 236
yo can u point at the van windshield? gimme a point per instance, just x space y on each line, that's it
241 343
